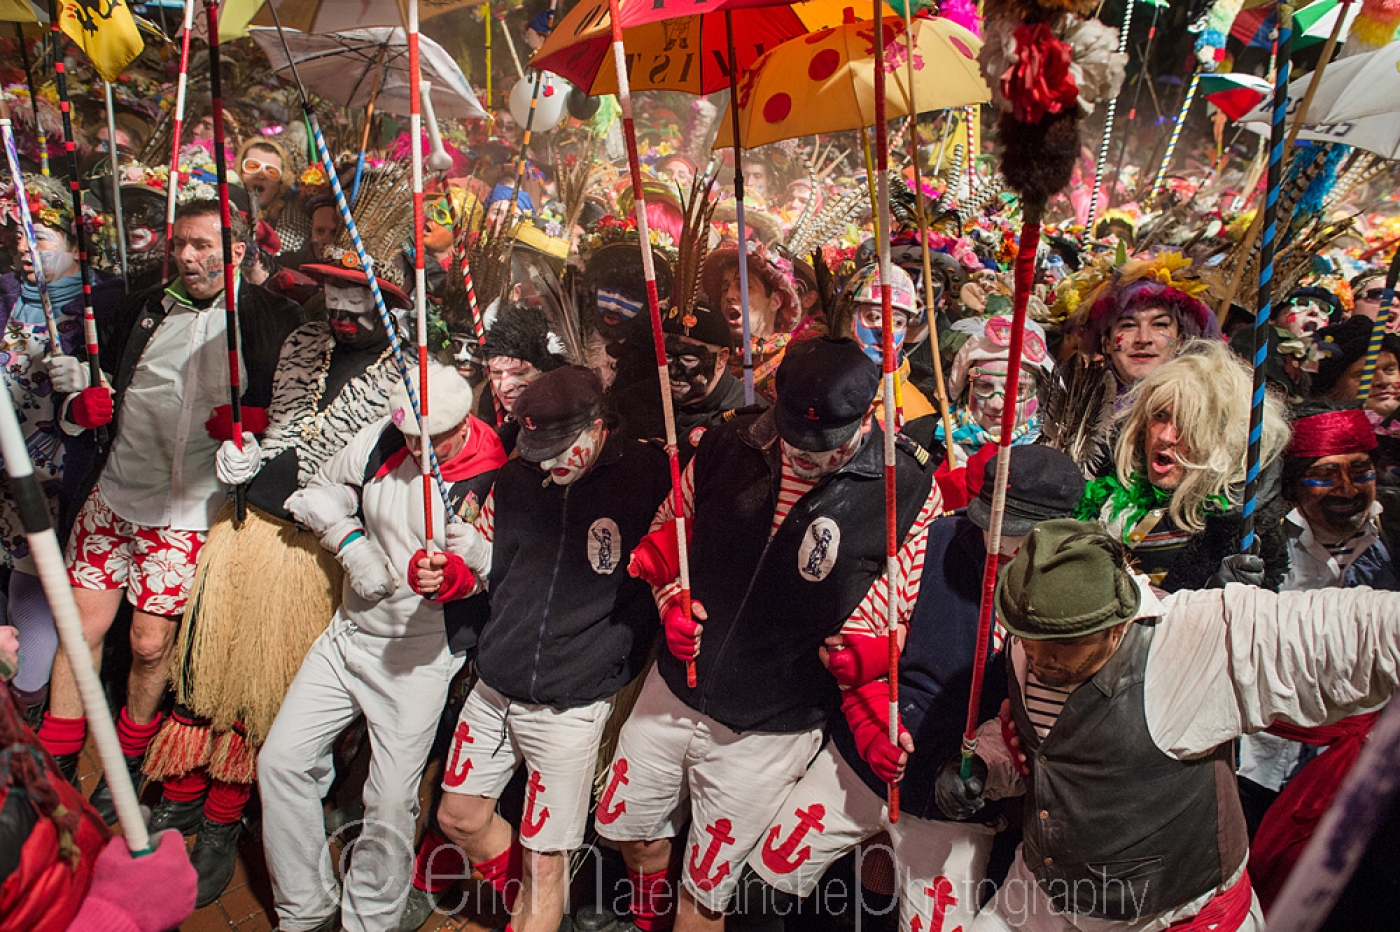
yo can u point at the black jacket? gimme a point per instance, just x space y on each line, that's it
568 625
772 601
265 320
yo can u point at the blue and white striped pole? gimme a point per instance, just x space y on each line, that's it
366 262
1264 303
27 221
1108 122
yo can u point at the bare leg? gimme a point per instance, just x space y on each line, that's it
97 608
692 917
544 892
471 823
646 857
152 651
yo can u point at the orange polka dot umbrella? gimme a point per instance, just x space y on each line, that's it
686 52
824 82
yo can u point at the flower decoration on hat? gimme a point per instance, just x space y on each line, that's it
613 230
49 204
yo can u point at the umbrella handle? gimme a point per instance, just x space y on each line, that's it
438 160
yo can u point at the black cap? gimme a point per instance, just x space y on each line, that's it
1042 483
825 387
701 322
554 409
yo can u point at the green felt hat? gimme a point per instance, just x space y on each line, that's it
1069 579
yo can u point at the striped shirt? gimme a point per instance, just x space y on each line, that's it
869 616
1043 703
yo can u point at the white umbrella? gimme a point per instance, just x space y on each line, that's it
1379 134
341 67
1351 89
322 16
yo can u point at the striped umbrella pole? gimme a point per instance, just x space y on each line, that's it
521 163
1108 121
27 223
33 513
1175 137
39 135
888 364
973 113
366 262
1378 329
1025 281
211 9
639 211
172 185
75 187
420 275
1267 245
486 22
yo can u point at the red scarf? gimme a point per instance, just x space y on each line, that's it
1294 816
1225 913
482 453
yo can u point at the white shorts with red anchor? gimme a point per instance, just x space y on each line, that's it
495 735
668 755
939 865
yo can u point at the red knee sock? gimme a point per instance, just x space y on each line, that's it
225 802
438 864
185 788
653 900
62 736
503 873
135 738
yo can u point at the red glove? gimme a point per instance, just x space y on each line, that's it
220 423
120 899
92 407
457 578
864 658
682 637
867 711
657 559
952 485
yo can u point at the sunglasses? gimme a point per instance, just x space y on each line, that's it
440 213
1373 294
253 166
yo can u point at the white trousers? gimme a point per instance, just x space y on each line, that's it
939 866
400 685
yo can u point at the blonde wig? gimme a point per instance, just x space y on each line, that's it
1206 392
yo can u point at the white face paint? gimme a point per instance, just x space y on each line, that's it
569 466
808 465
57 259
351 311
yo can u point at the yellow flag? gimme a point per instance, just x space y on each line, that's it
105 30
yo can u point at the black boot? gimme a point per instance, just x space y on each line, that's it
183 817
215 855
101 798
68 766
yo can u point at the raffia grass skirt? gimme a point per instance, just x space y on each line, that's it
262 593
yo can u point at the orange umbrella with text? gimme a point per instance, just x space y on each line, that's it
825 82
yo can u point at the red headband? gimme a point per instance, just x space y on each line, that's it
1332 433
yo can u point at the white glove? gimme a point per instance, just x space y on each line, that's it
67 374
470 544
367 565
321 507
238 467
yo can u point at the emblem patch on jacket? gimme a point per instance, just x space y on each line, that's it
820 546
604 546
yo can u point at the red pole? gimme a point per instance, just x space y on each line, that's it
1025 279
211 7
420 292
639 211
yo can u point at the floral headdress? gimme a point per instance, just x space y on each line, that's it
49 204
611 231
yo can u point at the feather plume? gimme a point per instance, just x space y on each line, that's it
561 309
698 209
1078 406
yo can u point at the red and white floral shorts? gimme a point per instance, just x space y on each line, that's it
154 565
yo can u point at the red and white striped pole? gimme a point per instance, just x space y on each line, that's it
420 278
172 183
639 210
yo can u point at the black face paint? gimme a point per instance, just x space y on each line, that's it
691 365
356 330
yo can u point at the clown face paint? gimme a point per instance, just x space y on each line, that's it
1335 495
57 258
509 378
986 395
866 329
353 318
1304 316
806 465
571 465
693 369
617 308
1138 344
